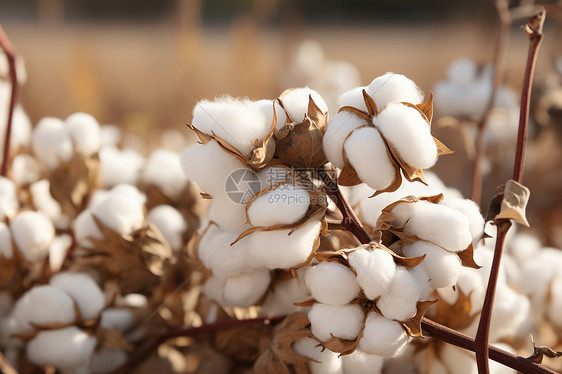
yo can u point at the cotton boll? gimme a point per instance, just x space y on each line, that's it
394 88
523 247
241 290
25 170
375 271
476 99
342 321
462 72
51 142
226 213
442 267
382 337
422 280
265 107
339 127
170 222
85 133
163 169
8 198
471 211
458 361
237 122
21 127
127 191
120 319
325 361
58 251
362 363
118 166
284 205
354 98
449 99
366 151
107 360
6 248
120 213
510 312
331 283
33 233
67 348
400 302
84 291
284 294
279 250
216 253
409 134
555 305
46 204
296 102
110 135
85 227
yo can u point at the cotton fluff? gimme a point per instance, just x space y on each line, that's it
84 291
69 349
342 321
84 228
400 302
354 98
523 247
331 283
282 249
375 271
119 319
443 268
119 166
241 290
296 102
284 205
382 336
265 107
25 169
51 142
226 213
362 363
84 131
33 233
409 134
471 211
163 169
6 248
325 361
462 71
46 204
58 251
110 135
512 310
120 212
237 122
339 127
21 127
449 99
8 198
170 222
216 253
283 295
394 88
458 361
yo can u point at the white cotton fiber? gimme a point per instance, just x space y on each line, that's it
422 280
8 198
67 349
84 291
339 127
170 222
163 169
279 250
51 142
362 363
555 305
382 336
237 122
33 233
511 310
119 319
341 321
354 98
284 294
400 302
296 102
332 283
409 134
394 88
265 107
471 211
25 170
366 151
523 247
325 361
458 360
21 126
271 175
121 213
462 72
46 204
284 205
241 290
537 273
6 248
84 228
85 133
477 97
440 225
119 166
449 99
443 268
58 251
226 213
110 135
375 270
216 253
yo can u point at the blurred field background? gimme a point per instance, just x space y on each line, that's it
143 64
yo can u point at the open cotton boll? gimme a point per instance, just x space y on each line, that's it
282 206
409 134
476 99
51 142
107 360
462 71
511 310
110 135
523 247
84 228
394 88
339 127
362 363
163 169
85 133
283 295
266 109
216 253
382 337
127 191
366 151
65 348
25 170
120 213
331 283
422 280
470 283
119 166
555 305
471 211
279 250
325 361
354 98
58 251
237 122
449 99
442 267
8 198
170 222
502 127
226 213
84 291
342 321
6 248
440 225
33 233
241 290
119 319
375 271
46 204
296 102
400 302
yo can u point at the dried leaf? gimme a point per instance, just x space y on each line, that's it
307 303
425 108
348 176
264 152
413 325
358 112
370 104
467 258
242 343
514 202
342 346
442 148
540 352
112 339
456 316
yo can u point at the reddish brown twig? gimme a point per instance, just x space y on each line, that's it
533 30
11 56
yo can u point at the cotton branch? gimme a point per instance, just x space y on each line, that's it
11 56
534 30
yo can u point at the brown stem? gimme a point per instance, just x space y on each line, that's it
11 56
499 66
533 29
